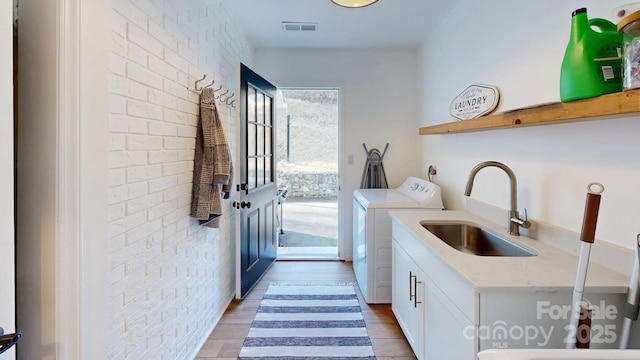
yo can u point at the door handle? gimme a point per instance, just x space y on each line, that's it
244 204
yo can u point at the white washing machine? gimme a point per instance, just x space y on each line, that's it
372 231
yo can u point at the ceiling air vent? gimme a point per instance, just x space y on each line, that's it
299 26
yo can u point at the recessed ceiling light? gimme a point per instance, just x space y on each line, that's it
354 3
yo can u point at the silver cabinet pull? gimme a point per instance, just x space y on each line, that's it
413 289
415 292
411 276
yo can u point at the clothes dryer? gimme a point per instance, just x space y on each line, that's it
372 231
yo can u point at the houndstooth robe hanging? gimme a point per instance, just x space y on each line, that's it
213 170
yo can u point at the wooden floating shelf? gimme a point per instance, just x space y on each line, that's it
616 104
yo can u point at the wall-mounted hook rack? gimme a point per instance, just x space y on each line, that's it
222 98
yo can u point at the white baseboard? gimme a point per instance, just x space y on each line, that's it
213 326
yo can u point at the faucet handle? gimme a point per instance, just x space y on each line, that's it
521 222
525 223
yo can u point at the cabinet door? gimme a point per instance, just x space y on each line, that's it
448 333
408 298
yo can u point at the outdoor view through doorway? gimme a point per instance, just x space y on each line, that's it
307 156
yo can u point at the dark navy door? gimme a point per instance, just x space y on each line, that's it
258 242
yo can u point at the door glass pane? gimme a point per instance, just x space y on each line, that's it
251 139
260 171
267 140
260 108
267 170
251 103
260 140
251 127
251 172
267 110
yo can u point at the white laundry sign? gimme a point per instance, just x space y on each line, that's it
475 101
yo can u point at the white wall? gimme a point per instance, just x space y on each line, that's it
378 98
7 263
518 46
169 279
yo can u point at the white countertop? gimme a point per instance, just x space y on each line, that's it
551 268
558 354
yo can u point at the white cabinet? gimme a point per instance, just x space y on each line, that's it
448 333
433 325
445 317
407 300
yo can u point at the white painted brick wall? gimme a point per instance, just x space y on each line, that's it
170 278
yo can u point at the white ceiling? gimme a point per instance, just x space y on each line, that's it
384 24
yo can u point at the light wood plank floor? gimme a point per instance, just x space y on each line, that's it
226 339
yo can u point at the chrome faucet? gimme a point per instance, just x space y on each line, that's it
514 218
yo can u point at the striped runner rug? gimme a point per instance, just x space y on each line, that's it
308 322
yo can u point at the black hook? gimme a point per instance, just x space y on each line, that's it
197 81
224 93
226 100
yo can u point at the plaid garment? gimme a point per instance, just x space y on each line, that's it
213 170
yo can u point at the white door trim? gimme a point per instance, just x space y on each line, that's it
7 221
82 173
344 201
68 240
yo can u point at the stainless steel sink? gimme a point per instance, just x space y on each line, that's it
474 240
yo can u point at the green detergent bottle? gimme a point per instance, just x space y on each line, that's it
592 63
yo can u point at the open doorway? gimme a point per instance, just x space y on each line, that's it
307 164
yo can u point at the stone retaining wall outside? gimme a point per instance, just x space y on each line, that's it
307 185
